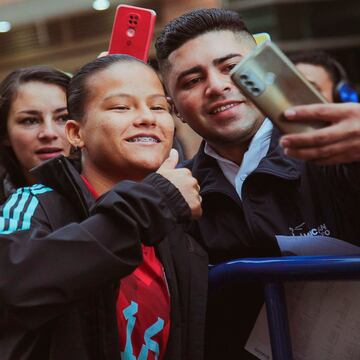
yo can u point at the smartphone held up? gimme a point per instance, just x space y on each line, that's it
132 31
272 82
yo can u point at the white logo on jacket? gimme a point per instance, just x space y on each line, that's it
320 230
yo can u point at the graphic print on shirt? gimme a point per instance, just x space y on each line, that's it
143 311
149 343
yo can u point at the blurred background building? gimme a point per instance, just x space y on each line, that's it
68 33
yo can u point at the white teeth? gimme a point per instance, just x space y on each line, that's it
144 139
223 108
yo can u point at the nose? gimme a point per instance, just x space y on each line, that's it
218 84
47 131
145 117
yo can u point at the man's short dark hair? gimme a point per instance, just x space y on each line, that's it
192 24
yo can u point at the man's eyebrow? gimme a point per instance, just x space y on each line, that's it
218 61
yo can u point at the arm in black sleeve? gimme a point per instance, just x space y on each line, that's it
40 267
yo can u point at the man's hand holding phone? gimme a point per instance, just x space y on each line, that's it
272 82
335 144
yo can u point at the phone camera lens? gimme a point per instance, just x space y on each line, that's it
249 83
243 77
131 17
255 91
130 22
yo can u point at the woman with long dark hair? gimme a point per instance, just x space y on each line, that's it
33 113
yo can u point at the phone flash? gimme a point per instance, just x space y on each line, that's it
130 32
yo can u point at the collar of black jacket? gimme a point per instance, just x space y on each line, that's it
276 163
63 175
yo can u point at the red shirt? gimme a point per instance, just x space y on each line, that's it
143 308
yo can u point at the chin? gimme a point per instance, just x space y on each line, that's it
147 166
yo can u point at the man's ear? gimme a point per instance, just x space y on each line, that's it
174 110
178 115
74 134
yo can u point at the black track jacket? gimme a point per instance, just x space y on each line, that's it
62 255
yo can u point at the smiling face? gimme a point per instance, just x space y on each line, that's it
199 83
127 129
35 124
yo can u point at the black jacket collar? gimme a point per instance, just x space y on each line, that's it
63 175
276 163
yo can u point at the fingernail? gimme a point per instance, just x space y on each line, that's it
289 113
284 143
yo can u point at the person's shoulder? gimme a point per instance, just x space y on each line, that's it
28 191
28 199
21 207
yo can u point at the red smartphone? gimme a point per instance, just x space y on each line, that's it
132 31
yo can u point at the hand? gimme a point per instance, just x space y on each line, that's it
184 182
334 144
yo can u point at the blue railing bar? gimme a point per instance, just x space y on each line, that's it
278 322
288 268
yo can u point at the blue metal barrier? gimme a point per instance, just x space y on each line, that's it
273 272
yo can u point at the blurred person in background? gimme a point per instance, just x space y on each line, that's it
326 74
94 262
33 113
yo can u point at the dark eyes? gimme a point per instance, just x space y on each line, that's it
63 118
156 108
121 107
192 82
151 107
160 107
29 121
224 68
229 67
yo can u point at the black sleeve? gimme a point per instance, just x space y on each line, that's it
39 266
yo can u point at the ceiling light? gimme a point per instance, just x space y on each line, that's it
5 26
101 4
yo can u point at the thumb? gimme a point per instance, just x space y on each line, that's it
171 161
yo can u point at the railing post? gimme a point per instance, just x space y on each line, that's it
278 321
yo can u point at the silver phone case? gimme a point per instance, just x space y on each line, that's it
273 84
